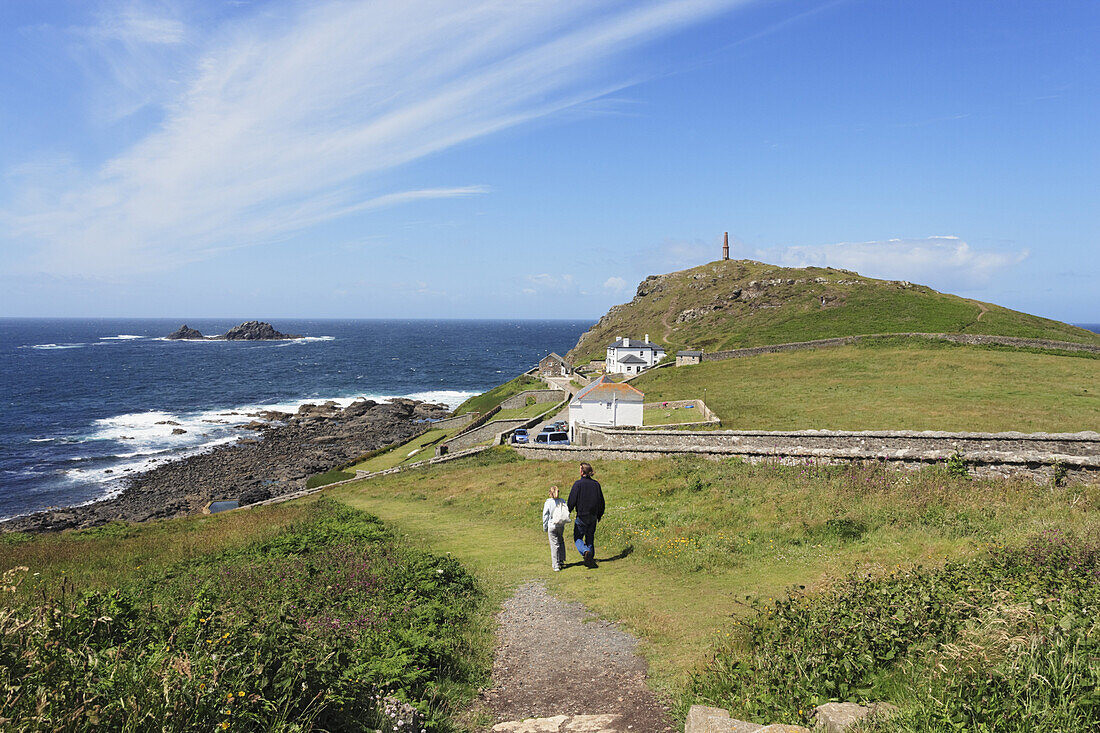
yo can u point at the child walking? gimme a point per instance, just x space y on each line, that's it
555 515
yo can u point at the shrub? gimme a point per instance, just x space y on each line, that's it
1006 642
331 625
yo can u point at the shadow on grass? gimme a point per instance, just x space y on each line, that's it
626 551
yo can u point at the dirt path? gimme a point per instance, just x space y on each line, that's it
557 663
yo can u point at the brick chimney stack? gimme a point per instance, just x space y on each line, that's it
726 247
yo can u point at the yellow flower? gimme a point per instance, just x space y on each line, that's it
240 694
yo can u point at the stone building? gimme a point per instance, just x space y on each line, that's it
688 357
553 365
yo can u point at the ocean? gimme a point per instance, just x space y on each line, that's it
88 402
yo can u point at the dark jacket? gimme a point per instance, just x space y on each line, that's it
586 497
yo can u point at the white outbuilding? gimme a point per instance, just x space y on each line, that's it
606 403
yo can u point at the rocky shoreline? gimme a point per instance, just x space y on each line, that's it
291 448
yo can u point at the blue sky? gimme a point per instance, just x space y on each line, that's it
537 159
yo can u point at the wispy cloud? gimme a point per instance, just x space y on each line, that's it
946 262
614 284
295 116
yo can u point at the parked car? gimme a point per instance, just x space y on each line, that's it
543 437
519 435
559 437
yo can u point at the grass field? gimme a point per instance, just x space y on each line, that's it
670 416
488 400
686 543
528 411
417 449
893 386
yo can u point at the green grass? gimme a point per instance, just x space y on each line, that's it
419 448
670 416
689 539
524 412
328 477
488 400
783 313
909 386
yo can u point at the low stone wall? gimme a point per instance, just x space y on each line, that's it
957 338
541 395
1037 454
478 422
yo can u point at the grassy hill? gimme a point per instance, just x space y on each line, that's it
738 303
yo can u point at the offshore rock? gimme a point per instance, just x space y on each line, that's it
184 333
256 331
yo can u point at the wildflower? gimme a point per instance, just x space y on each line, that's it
240 694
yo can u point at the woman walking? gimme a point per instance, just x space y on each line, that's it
555 515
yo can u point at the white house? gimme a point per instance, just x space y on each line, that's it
631 356
604 402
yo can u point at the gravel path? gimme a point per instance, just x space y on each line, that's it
556 659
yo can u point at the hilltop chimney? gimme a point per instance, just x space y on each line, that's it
726 247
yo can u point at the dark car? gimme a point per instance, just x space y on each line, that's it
519 435
558 437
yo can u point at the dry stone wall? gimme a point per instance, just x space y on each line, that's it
957 338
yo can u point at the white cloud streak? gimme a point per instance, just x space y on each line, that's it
945 262
294 117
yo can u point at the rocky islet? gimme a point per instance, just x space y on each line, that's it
247 331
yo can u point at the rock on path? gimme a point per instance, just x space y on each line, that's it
558 669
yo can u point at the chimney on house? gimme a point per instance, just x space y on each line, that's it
626 342
647 338
726 247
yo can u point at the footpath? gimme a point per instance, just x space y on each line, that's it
558 669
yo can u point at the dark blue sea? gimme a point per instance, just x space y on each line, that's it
88 402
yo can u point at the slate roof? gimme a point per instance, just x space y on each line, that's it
604 389
631 359
636 344
555 355
689 353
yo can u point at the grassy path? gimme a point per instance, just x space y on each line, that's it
685 542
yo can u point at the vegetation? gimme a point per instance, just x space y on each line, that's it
657 415
1008 641
524 412
328 477
729 313
418 449
891 386
327 623
685 541
488 400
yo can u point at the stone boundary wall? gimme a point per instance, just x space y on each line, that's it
540 395
478 422
958 338
978 464
990 453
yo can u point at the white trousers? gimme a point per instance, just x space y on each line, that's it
557 548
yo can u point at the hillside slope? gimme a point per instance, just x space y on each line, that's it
737 303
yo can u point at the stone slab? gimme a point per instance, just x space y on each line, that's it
532 725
